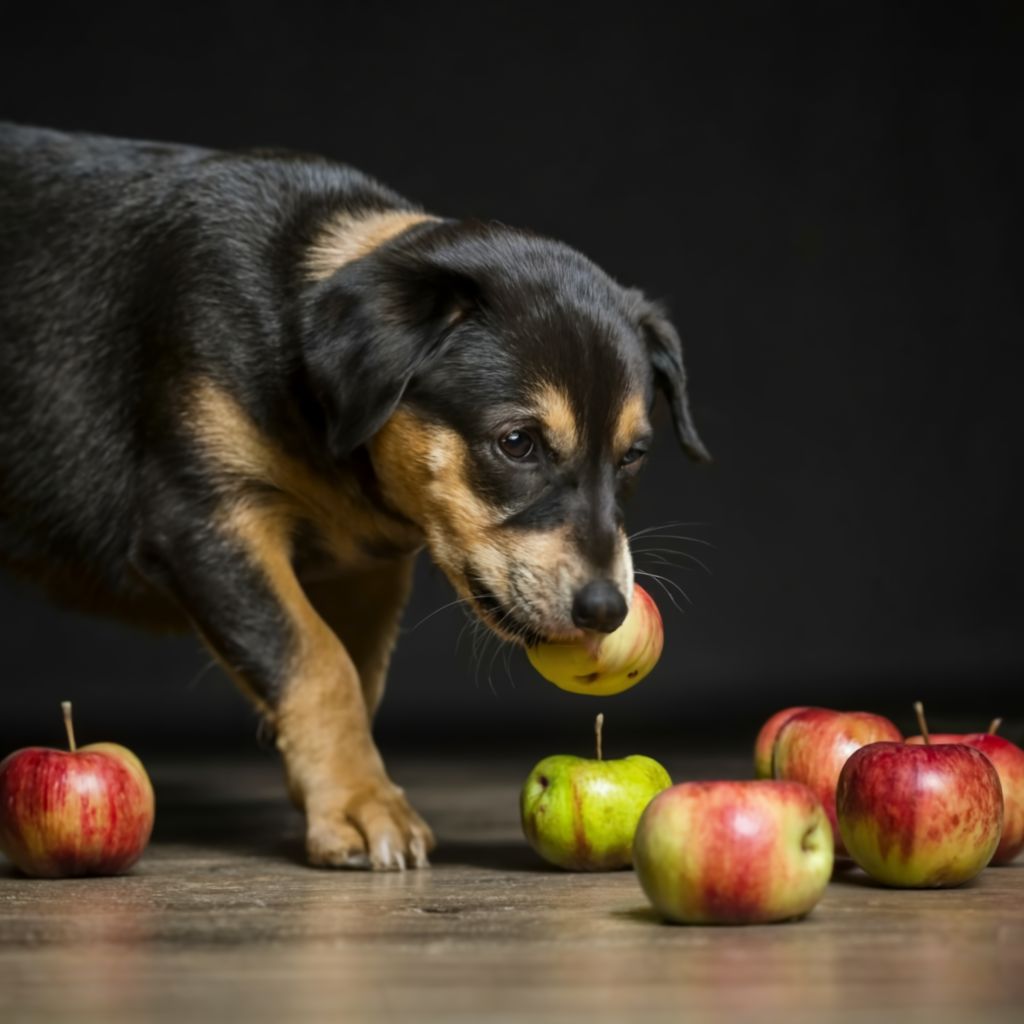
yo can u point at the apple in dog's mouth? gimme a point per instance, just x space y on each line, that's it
582 661
605 664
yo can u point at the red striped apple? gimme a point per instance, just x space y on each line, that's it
83 811
813 746
1008 760
764 745
920 816
734 852
601 665
580 814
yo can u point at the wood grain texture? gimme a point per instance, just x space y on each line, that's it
222 922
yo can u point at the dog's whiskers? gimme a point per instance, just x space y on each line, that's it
509 648
678 536
661 552
498 640
514 633
472 622
664 582
662 560
663 526
201 674
437 611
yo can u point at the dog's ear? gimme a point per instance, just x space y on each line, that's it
666 354
367 329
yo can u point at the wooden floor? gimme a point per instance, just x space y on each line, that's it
221 922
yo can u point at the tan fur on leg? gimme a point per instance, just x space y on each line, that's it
354 812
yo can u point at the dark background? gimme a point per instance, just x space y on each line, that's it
829 199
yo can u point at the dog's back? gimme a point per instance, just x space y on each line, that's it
81 218
125 268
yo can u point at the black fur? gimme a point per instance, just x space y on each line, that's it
128 270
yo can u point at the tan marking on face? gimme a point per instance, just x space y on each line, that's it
555 413
245 456
349 237
632 423
423 471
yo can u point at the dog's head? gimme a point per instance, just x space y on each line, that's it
502 384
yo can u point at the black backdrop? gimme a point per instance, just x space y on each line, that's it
830 201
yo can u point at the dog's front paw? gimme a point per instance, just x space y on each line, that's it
375 827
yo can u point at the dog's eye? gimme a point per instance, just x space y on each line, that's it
518 445
635 454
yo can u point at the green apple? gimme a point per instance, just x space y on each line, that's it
813 745
581 813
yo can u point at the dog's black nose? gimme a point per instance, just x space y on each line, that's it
599 606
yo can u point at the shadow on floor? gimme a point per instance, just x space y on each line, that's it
252 827
491 855
272 828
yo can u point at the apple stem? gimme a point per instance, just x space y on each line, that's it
598 726
994 725
922 722
65 706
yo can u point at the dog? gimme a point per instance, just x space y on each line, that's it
240 391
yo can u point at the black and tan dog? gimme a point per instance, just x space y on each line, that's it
243 390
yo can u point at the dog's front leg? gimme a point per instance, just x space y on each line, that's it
363 609
234 576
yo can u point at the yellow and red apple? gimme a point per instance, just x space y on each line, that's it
601 665
813 745
83 811
734 852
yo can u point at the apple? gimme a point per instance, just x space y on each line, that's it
83 811
920 816
601 665
813 746
1008 760
580 813
734 852
764 745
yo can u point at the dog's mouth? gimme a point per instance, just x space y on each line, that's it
502 620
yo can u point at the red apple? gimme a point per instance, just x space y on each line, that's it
813 746
1008 760
920 816
764 745
84 811
733 852
603 665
